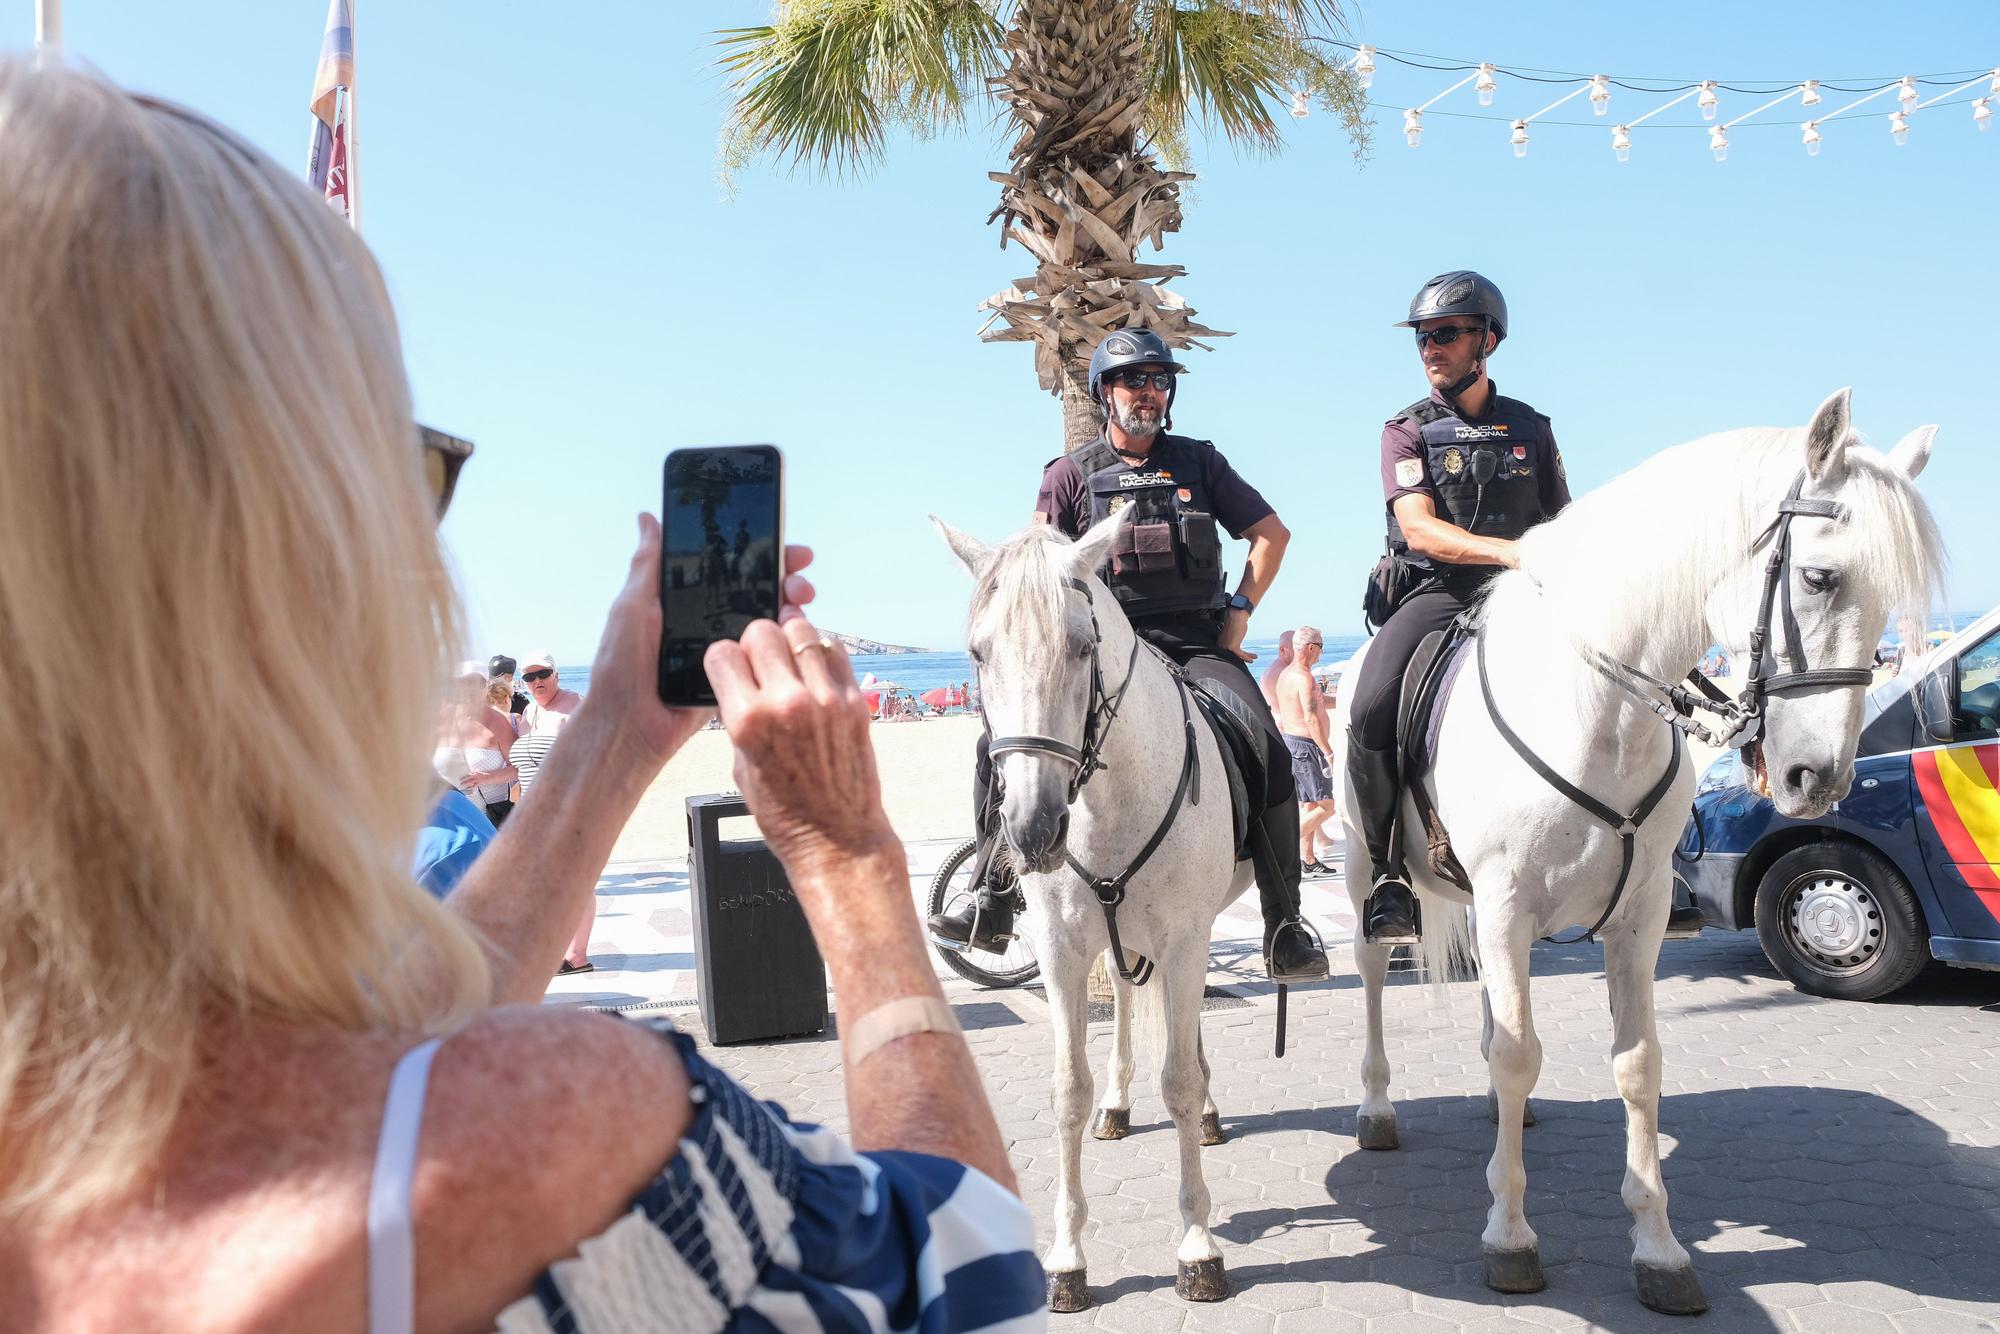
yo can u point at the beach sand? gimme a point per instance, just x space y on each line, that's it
926 771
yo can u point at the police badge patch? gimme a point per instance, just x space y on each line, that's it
1409 472
1454 461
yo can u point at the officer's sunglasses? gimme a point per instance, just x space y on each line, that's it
1446 336
444 459
1160 380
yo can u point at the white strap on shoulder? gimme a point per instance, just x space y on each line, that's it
392 1269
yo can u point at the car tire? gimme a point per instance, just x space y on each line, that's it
1839 921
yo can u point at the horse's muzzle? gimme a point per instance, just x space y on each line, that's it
1040 840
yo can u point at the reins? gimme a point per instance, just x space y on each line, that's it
1742 718
1088 758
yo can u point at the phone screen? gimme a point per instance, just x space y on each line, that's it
723 561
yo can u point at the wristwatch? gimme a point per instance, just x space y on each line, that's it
1237 602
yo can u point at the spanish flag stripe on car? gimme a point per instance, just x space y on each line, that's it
1962 796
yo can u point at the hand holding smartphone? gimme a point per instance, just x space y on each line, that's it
722 562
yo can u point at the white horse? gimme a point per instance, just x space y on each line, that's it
1104 765
1699 545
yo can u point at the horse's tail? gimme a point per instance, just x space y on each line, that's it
1447 950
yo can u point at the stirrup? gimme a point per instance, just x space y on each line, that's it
1324 970
1684 922
1392 932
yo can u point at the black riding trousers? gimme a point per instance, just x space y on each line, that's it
1372 699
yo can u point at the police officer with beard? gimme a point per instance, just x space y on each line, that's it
1167 575
1465 472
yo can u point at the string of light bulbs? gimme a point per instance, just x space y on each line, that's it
1706 93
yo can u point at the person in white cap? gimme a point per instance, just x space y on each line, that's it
541 722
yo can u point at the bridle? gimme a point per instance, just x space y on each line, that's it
1742 720
1099 714
1085 760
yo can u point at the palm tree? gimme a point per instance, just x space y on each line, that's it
1097 91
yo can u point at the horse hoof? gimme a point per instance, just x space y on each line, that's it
1515 1271
1068 1291
1211 1130
1493 1109
1378 1132
1669 1291
1112 1123
1202 1281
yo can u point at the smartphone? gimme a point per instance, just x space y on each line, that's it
722 516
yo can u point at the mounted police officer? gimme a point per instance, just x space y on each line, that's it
1168 578
1465 473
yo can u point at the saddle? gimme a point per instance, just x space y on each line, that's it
1239 735
1427 685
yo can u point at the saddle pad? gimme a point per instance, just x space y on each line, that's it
1234 739
1427 684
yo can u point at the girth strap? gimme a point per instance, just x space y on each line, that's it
1626 827
1110 890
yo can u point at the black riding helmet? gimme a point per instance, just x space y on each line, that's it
1133 347
1460 292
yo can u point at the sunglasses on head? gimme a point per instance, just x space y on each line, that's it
444 458
538 674
1446 336
1160 380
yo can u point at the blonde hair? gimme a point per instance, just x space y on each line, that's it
207 466
499 695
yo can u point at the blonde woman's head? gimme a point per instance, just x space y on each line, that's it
498 696
208 469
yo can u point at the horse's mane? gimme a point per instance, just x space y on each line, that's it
1023 592
1708 501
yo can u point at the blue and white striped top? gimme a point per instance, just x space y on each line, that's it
762 1224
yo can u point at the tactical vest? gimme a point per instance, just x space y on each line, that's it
1168 558
1512 440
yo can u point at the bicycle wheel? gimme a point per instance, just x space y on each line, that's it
951 889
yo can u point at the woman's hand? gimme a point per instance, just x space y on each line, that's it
804 761
625 674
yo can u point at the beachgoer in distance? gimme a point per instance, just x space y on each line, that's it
1302 718
501 668
473 743
218 966
1465 472
541 723
1172 585
1268 682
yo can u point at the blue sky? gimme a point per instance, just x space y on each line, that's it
577 296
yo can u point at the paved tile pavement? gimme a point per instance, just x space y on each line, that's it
1832 1166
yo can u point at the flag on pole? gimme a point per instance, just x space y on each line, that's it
333 87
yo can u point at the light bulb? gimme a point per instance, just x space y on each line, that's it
1907 94
1301 105
1364 65
1413 128
1718 143
1810 89
1519 138
1982 115
1708 101
1899 128
1621 142
1811 139
1485 85
1600 94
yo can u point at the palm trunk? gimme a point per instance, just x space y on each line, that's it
1081 421
1082 195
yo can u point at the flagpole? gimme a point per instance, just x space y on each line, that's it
48 24
354 120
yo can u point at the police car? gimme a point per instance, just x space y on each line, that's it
1904 870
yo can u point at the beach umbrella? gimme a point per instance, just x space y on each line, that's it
936 696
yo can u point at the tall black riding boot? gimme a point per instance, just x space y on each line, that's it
1292 950
986 920
1390 916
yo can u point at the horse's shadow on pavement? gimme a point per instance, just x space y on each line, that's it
1768 1186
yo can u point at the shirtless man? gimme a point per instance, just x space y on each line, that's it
1301 713
1268 682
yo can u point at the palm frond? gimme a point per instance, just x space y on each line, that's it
823 81
1231 65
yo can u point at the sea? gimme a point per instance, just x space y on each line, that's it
920 671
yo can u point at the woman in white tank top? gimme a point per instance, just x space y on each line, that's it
473 744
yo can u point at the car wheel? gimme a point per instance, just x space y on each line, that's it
1838 920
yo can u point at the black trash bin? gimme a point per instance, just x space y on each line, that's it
758 973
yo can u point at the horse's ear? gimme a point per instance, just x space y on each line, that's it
1913 451
1087 557
971 552
1828 436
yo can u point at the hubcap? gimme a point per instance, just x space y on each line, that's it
1835 922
